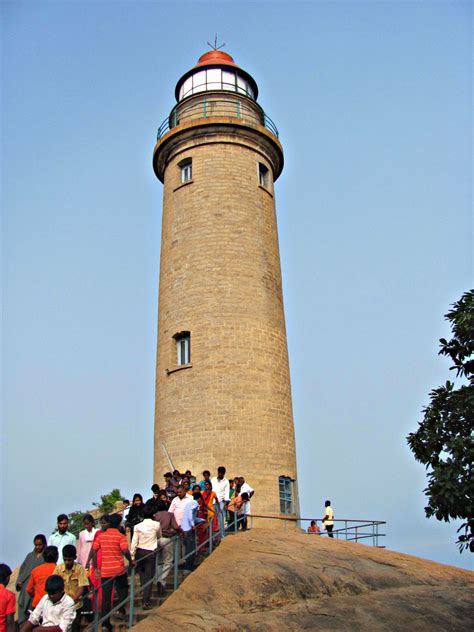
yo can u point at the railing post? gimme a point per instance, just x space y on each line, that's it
223 521
177 547
95 627
345 527
131 598
157 555
235 519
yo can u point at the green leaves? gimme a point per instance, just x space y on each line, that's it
107 502
444 441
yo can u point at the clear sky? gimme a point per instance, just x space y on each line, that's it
373 104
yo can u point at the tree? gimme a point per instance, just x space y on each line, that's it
75 521
444 441
108 502
107 505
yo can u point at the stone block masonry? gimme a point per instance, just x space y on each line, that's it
220 280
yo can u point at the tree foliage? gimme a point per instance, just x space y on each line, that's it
444 441
108 501
75 521
106 505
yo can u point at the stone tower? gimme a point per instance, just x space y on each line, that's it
223 393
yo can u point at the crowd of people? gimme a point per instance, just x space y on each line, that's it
65 578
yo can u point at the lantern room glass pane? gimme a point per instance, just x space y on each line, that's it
228 80
199 79
187 87
214 75
241 85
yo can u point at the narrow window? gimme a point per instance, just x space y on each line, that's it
183 347
263 176
286 494
186 167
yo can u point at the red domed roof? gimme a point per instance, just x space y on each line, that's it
215 57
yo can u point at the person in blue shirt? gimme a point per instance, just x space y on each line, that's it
62 536
188 524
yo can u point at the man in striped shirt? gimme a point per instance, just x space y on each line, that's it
114 548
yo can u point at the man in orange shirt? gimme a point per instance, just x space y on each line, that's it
7 601
114 547
40 574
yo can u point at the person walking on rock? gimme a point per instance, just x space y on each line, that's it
328 520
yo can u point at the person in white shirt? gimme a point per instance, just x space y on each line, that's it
125 510
328 520
55 611
86 537
245 487
178 504
220 485
143 550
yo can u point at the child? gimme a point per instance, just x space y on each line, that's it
125 509
75 581
244 511
7 601
55 609
313 528
39 575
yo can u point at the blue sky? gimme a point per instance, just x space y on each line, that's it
373 104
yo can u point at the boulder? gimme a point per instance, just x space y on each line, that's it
265 580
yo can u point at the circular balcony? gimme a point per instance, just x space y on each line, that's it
215 106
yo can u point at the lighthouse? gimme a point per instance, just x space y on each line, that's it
223 394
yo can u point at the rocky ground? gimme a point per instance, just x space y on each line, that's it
265 580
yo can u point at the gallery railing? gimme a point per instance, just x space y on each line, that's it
209 107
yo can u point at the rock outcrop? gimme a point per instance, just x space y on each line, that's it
265 580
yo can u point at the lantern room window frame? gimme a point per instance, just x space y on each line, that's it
209 79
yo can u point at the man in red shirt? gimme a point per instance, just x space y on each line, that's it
114 548
39 575
7 601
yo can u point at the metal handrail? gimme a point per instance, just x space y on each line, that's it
210 542
210 107
349 532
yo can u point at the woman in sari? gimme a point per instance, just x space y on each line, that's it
210 498
234 509
202 512
31 561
